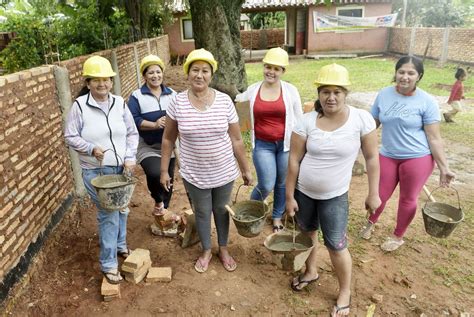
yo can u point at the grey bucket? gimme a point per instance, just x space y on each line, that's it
249 216
441 219
114 191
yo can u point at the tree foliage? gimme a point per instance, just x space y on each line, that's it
436 13
45 27
267 20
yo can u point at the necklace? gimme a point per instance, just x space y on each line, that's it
204 100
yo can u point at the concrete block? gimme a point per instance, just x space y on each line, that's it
108 289
136 260
128 269
159 274
138 275
189 236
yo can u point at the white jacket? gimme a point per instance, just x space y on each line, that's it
293 107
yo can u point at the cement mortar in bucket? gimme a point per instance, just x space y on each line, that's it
249 216
440 219
293 249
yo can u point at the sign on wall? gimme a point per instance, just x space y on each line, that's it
325 22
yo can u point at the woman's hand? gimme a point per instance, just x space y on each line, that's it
98 153
128 168
291 207
160 123
165 181
248 178
372 202
446 177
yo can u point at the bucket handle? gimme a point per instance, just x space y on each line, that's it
457 194
121 161
237 194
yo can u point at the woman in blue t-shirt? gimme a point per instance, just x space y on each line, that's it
411 144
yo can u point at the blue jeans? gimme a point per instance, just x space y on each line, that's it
330 215
112 224
271 165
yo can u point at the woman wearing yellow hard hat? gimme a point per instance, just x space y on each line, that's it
148 105
324 147
210 143
275 107
100 128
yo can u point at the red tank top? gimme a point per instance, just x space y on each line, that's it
269 119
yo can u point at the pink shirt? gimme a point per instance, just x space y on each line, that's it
457 92
206 155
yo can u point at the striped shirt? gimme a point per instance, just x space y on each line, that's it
206 155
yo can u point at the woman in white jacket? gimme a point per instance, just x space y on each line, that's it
275 107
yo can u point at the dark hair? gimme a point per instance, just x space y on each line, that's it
418 63
460 72
84 90
317 104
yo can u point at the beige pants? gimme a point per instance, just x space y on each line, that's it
456 107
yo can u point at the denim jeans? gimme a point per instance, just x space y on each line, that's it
330 215
112 224
271 165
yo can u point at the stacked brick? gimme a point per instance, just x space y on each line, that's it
35 175
251 39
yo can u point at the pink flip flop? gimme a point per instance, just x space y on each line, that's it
228 263
202 265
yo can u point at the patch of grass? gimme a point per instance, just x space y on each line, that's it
366 75
462 131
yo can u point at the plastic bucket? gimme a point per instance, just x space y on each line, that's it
114 191
440 219
249 217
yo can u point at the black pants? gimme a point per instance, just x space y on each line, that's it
151 166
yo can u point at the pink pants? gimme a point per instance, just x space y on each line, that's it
412 174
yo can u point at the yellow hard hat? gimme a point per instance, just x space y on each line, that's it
276 56
334 75
97 67
151 60
200 55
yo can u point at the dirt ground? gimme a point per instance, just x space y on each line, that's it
429 276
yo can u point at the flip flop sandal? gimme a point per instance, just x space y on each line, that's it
158 211
113 278
125 253
300 281
202 265
229 264
277 228
337 309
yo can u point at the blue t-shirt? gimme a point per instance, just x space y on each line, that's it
402 118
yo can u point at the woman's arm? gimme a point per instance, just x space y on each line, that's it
371 156
169 138
437 150
239 152
297 152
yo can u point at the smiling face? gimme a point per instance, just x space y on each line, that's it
332 99
199 75
272 73
406 78
100 88
153 76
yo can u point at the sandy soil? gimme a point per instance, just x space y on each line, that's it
426 276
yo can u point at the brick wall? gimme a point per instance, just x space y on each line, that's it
274 38
34 163
36 180
460 42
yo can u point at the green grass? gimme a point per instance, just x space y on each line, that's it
462 131
366 75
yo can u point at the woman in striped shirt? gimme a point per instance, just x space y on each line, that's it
210 143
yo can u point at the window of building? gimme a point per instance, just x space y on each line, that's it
187 29
355 12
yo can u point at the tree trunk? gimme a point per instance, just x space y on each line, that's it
216 27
